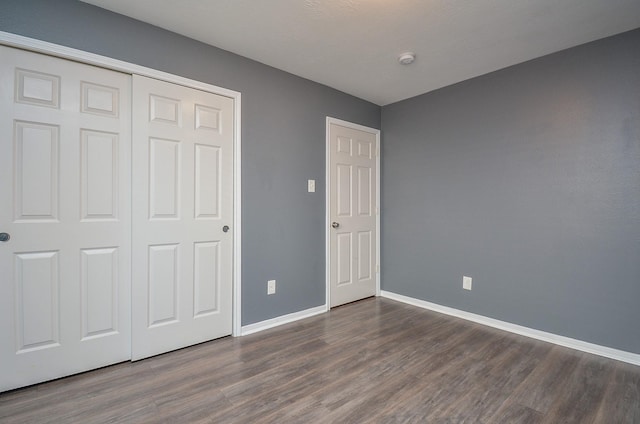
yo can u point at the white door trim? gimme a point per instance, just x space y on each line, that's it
26 43
327 223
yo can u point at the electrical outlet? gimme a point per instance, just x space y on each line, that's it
271 287
466 282
311 186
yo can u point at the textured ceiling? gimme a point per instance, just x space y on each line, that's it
352 45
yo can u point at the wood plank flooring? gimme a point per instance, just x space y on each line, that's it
375 361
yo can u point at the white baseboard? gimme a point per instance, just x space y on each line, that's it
607 352
284 319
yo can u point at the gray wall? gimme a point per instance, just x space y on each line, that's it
283 140
528 180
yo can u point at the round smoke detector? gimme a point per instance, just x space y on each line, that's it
407 58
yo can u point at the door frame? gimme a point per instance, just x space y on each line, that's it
38 46
327 226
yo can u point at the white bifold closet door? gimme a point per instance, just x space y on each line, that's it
182 216
65 204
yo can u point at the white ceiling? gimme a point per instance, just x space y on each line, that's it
353 45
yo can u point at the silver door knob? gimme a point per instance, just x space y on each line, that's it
335 224
4 236
225 228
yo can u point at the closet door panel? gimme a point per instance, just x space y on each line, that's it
182 216
65 202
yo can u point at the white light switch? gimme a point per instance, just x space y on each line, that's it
311 186
466 282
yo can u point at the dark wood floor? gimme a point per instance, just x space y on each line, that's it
371 361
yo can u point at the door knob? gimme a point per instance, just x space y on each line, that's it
335 224
225 228
4 236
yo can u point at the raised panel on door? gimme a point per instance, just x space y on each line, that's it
364 255
99 292
99 169
36 171
99 99
207 181
352 205
343 189
363 191
183 194
164 178
344 258
37 302
162 285
64 199
37 88
206 294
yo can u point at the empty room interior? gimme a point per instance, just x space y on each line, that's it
341 211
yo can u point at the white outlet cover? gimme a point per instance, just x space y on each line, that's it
271 287
467 282
311 186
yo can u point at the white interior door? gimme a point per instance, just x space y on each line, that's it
182 216
352 212
64 201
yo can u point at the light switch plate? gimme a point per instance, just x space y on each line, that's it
311 186
466 282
